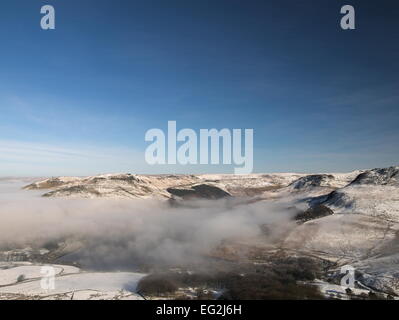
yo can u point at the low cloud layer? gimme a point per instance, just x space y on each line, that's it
119 233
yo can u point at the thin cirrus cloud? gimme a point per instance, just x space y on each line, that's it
26 158
29 159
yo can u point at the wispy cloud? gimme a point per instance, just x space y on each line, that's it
25 158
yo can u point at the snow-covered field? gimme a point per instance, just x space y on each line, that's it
9 274
69 283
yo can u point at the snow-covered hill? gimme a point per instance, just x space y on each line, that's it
156 186
112 186
382 177
373 193
363 232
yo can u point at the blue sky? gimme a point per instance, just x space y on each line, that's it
78 100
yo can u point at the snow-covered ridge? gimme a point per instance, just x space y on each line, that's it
155 186
371 192
385 176
150 186
111 186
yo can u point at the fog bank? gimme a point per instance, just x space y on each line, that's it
118 233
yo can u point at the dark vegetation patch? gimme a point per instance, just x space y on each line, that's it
316 212
21 278
158 284
200 191
368 296
279 280
126 178
74 190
